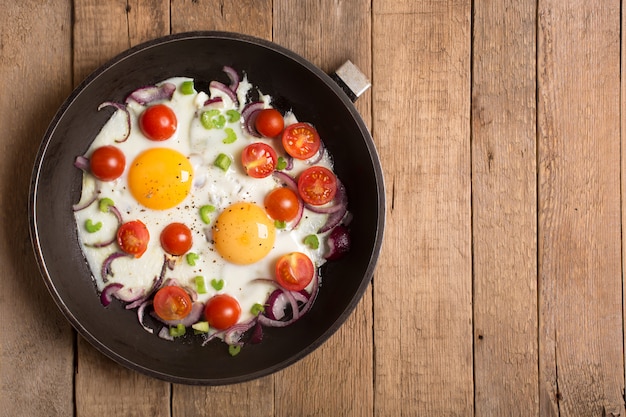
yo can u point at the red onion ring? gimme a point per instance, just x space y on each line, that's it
232 336
224 89
150 94
140 314
123 108
233 76
106 265
214 102
106 296
248 114
338 243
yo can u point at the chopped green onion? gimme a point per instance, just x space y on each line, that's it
205 212
219 121
178 331
280 224
208 118
281 163
187 87
234 350
191 258
104 204
223 162
312 241
233 116
217 284
200 286
231 136
92 227
257 309
200 327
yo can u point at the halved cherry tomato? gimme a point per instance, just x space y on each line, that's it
133 238
107 163
172 303
259 160
269 122
222 311
317 185
282 204
301 140
176 239
294 271
158 122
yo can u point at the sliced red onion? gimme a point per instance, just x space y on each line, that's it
101 244
286 179
214 102
296 220
233 76
338 243
123 108
106 296
106 265
140 314
116 213
276 305
266 321
232 336
339 203
248 114
197 309
150 94
224 89
156 283
289 160
81 162
86 203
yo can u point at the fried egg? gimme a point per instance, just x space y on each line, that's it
170 181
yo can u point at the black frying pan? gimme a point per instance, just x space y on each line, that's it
294 83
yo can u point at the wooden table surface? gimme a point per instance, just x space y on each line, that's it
499 289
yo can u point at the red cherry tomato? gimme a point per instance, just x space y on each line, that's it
172 303
317 185
158 122
269 122
301 140
294 271
282 204
107 163
259 160
176 239
222 311
133 238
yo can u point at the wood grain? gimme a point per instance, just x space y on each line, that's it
36 342
423 291
231 16
504 206
101 31
580 285
331 32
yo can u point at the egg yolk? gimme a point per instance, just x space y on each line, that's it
160 178
243 233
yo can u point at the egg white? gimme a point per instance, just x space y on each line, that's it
211 185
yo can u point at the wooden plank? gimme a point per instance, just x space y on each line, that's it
36 347
580 273
102 30
504 208
250 17
253 397
329 33
423 300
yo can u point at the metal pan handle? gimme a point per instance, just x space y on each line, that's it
351 80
